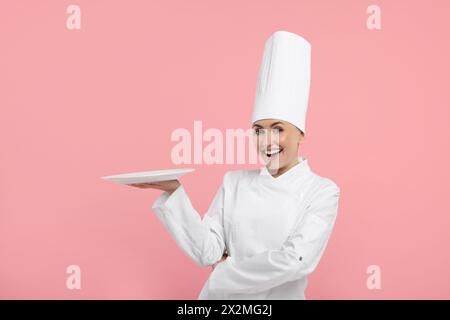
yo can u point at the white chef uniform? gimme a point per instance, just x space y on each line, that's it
274 229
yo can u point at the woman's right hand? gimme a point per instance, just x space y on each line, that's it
168 185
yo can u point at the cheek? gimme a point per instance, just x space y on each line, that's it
260 143
285 142
289 145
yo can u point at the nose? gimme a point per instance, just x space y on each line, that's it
269 140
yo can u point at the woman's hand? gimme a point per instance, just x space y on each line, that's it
224 257
169 185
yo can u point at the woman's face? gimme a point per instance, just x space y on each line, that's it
277 142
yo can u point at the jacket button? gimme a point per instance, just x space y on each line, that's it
300 258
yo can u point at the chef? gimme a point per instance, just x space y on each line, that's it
266 229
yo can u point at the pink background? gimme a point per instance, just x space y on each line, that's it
80 104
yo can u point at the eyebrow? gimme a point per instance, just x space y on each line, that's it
272 125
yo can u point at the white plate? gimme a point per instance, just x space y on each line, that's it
148 176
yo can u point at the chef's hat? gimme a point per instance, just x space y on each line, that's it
282 89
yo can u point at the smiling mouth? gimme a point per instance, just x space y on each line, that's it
272 153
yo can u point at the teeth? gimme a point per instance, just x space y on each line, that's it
272 152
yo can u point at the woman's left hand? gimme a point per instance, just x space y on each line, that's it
224 257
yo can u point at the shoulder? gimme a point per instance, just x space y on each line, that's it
329 185
325 188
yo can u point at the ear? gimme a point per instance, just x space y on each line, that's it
301 138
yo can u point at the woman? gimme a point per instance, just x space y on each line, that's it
266 229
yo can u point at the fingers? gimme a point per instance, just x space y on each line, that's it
143 185
169 185
216 263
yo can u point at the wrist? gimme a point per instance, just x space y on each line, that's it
173 190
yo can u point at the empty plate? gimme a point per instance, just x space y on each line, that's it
148 176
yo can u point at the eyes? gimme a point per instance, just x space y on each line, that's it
276 130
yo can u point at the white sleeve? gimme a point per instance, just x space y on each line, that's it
202 240
298 256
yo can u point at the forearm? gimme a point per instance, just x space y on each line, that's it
196 237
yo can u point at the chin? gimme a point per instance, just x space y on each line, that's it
276 164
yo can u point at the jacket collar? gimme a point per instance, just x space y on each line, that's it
299 168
